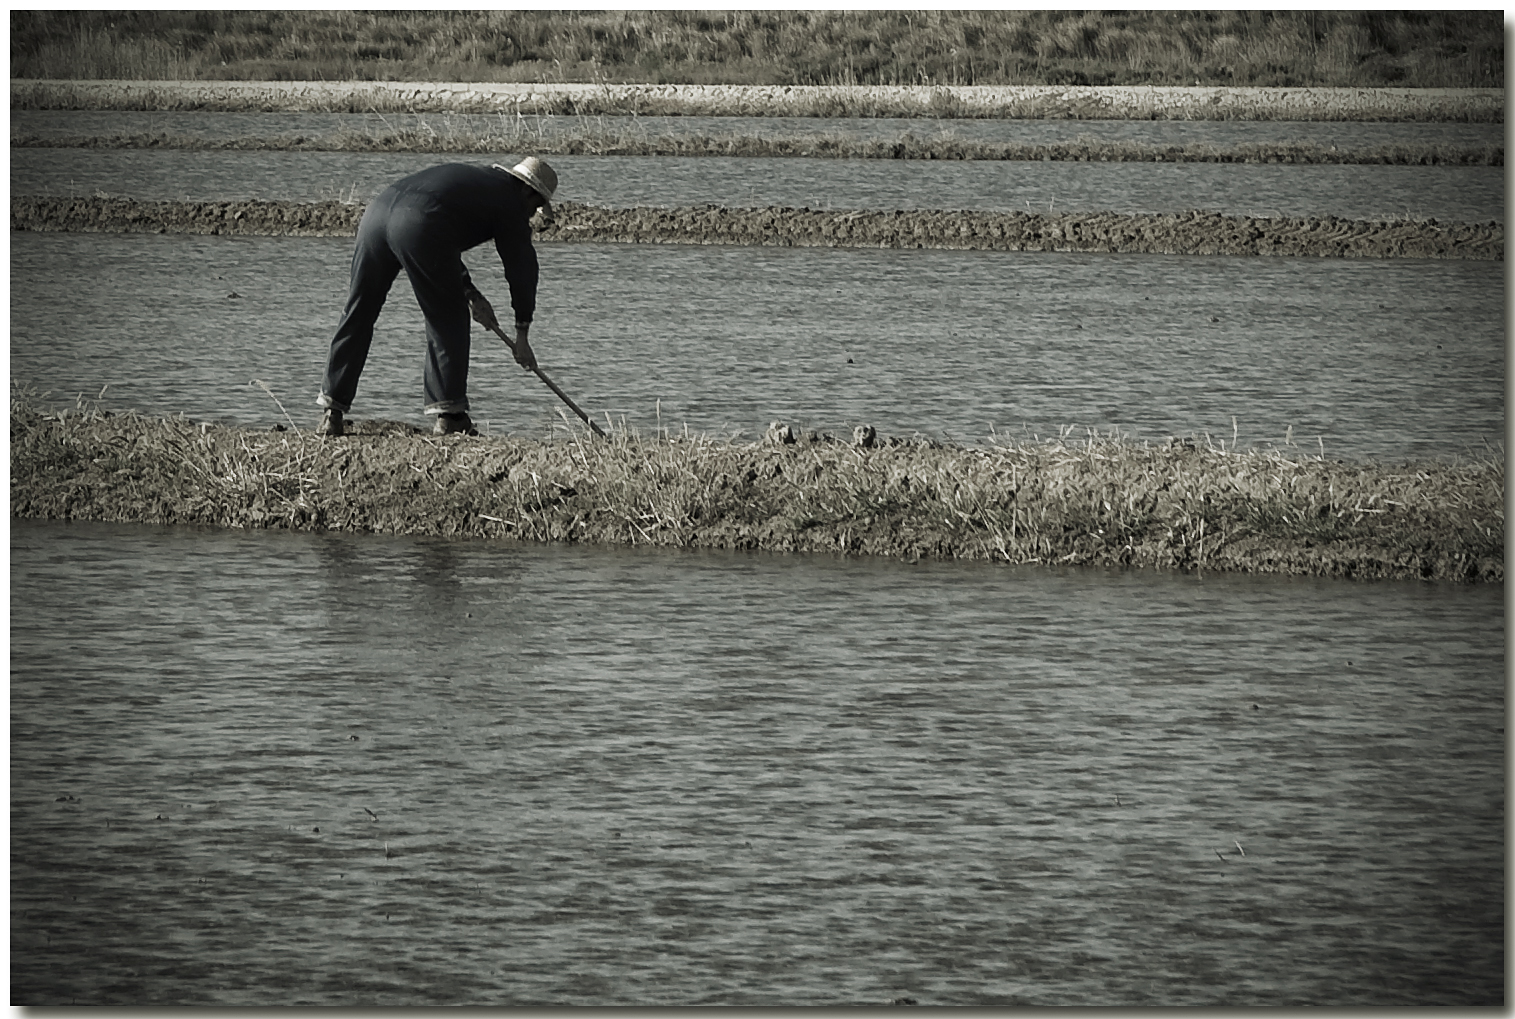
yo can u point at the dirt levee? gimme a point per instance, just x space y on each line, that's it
1191 233
1182 505
593 139
125 215
1060 102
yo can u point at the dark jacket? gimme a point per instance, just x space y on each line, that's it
475 204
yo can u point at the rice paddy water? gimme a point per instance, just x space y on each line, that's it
1468 193
1386 359
341 769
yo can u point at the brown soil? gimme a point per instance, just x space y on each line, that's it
1058 102
1184 505
1191 233
125 215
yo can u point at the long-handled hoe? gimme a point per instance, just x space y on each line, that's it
492 324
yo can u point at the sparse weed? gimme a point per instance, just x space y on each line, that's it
1101 500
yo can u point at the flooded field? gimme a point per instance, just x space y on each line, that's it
259 768
355 770
1469 193
1384 359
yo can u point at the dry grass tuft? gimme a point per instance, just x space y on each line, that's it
1099 501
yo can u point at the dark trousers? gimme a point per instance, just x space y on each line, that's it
404 230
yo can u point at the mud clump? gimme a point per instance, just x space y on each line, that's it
1104 502
1189 233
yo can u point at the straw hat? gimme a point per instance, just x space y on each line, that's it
542 178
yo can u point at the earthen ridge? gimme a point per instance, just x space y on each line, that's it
972 101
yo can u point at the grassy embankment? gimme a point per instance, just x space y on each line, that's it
597 136
1102 502
1416 49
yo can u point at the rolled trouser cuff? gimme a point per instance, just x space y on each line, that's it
449 407
322 400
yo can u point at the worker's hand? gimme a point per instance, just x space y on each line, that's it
482 311
524 356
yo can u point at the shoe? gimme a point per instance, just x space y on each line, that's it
451 424
331 422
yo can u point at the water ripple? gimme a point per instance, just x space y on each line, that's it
332 769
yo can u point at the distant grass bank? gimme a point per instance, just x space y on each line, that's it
1360 49
934 102
597 138
1189 233
1105 502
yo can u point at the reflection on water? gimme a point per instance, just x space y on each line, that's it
1388 358
255 768
1458 193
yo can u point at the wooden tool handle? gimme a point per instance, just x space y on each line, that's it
550 384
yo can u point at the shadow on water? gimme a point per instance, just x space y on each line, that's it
353 577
